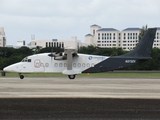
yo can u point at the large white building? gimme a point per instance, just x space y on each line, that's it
2 37
21 43
126 39
73 42
129 38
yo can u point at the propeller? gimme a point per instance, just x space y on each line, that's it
55 54
51 54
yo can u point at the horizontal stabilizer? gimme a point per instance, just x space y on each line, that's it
72 72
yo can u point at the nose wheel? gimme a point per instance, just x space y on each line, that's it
21 76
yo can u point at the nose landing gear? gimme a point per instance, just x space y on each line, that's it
21 76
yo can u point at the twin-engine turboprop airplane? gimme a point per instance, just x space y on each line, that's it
71 63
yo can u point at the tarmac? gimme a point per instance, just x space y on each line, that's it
81 98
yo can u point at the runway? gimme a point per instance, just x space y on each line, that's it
82 87
83 98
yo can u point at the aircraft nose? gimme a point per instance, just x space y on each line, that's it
8 69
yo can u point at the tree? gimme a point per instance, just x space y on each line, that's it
142 32
101 51
36 50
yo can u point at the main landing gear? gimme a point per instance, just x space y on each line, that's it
71 76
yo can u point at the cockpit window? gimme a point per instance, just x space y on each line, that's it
29 60
26 60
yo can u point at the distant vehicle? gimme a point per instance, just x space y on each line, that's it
71 63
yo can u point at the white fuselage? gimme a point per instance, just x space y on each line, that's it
44 63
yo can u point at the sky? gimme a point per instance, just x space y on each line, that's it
62 19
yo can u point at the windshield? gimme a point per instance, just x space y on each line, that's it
26 60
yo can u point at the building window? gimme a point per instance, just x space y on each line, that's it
157 35
110 36
54 44
93 32
102 36
62 45
99 36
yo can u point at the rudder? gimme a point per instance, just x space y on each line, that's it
144 47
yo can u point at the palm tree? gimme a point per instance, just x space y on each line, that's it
37 49
142 32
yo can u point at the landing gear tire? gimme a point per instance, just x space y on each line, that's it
21 76
71 76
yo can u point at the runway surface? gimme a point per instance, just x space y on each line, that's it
80 87
82 98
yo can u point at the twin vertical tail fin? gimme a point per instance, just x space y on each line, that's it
144 47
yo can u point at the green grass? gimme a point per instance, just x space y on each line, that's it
106 74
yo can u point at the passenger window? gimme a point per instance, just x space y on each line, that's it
60 64
74 64
79 64
65 64
42 65
83 65
56 64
